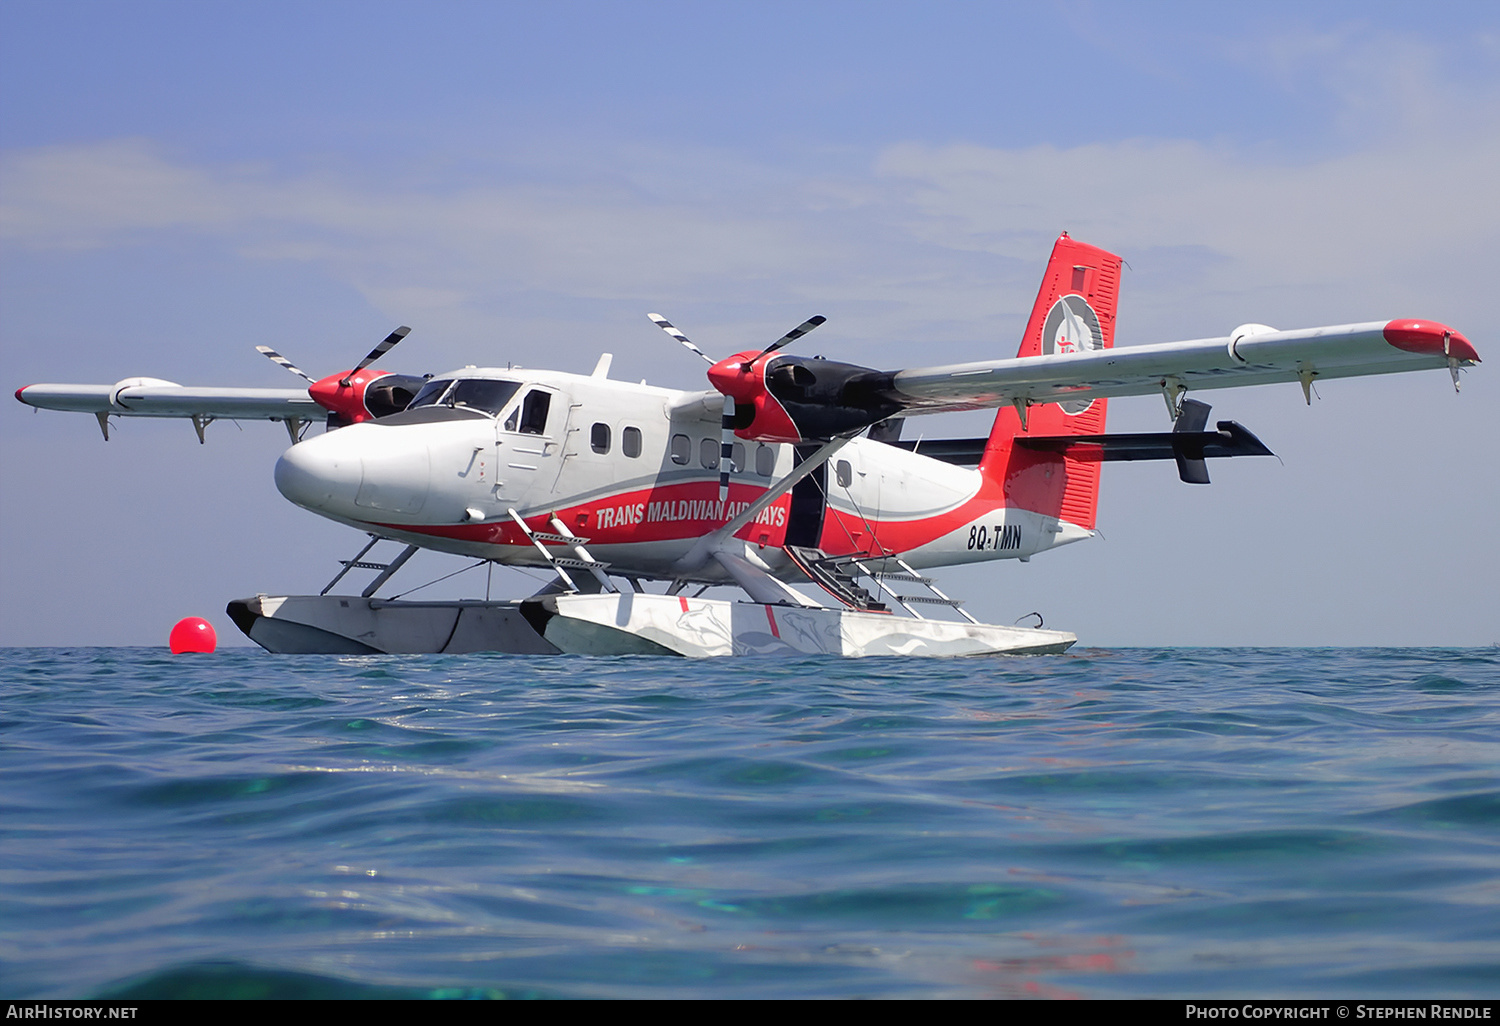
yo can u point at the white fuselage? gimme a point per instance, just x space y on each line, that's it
634 469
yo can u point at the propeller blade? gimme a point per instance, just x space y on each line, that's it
666 325
791 336
726 448
277 358
385 346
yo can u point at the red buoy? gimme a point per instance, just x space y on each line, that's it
192 634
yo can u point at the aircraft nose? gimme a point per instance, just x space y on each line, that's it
320 475
358 472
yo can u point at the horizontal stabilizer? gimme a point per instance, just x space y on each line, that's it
1231 439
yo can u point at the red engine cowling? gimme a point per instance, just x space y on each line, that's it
743 379
353 397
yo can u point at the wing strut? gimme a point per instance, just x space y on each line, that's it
759 585
703 550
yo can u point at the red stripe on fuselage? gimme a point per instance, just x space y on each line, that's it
673 513
688 511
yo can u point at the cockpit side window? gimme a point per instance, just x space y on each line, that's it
530 417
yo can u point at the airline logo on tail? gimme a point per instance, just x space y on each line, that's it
1072 327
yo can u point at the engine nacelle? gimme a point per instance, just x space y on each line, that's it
354 397
797 399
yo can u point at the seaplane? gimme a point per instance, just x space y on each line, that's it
788 479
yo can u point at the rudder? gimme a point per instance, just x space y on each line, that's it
1074 311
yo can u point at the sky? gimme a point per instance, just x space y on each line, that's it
180 182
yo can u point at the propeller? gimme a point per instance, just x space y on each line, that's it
785 340
385 346
666 325
727 422
349 407
281 361
788 338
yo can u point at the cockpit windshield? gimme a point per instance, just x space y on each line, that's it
480 394
430 393
484 394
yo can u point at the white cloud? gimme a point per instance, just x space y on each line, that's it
932 241
1373 208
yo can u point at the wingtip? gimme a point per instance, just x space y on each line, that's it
1429 338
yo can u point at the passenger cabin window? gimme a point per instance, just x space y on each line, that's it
737 457
630 442
599 438
843 473
681 449
765 460
708 453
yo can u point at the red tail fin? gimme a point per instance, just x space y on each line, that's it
1075 309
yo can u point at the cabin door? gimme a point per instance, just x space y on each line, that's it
529 445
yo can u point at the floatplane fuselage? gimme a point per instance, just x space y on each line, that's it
635 471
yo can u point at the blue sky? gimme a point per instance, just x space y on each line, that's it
522 182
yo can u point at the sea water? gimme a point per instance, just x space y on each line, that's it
1122 823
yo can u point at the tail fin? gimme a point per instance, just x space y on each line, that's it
1075 310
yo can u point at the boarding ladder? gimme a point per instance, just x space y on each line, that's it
580 560
832 576
906 573
838 575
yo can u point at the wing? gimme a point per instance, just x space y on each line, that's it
1254 355
1067 356
153 397
794 399
344 398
